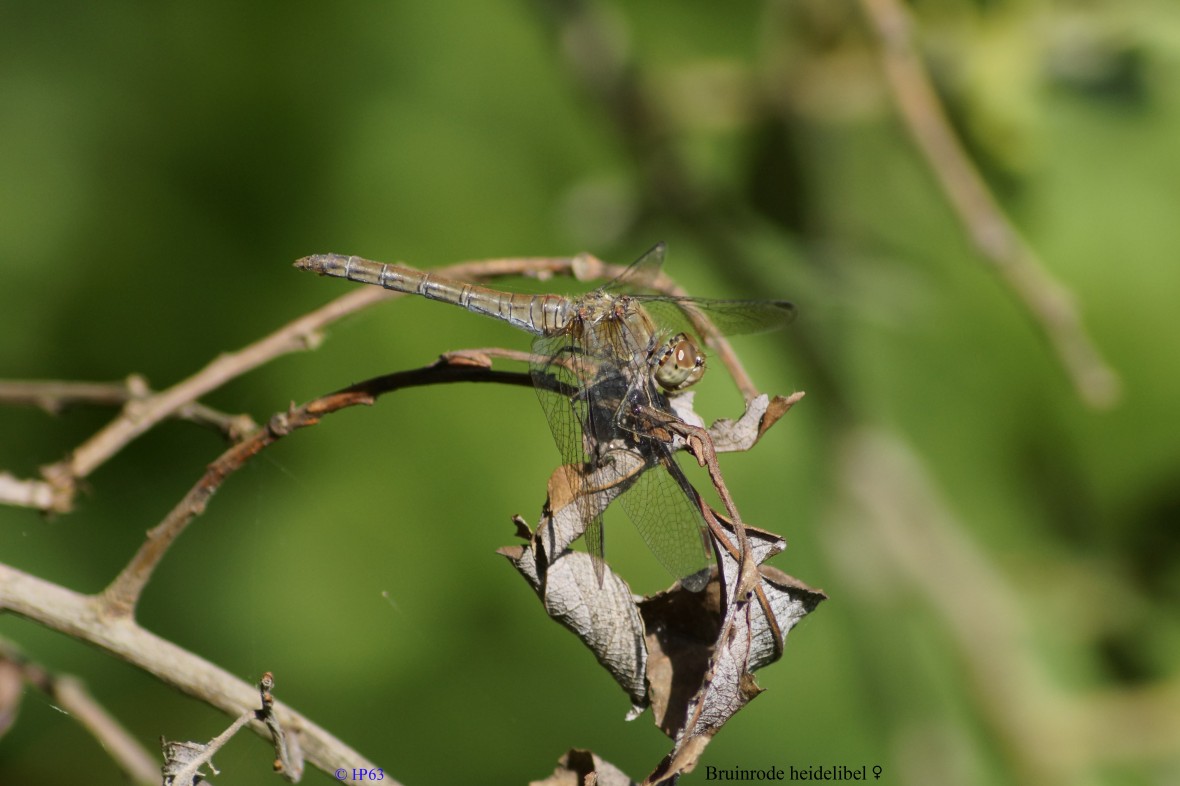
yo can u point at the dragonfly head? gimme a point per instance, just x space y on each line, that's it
678 363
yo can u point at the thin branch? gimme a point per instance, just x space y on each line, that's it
1048 301
122 595
70 695
1051 735
484 355
55 396
135 420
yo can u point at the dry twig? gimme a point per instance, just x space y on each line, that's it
1048 302
122 595
72 697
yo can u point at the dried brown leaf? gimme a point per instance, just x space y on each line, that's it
681 630
580 767
604 616
732 436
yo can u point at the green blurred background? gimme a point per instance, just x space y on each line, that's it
1003 562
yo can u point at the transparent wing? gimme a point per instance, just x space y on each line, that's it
560 371
640 274
730 317
557 370
661 503
663 507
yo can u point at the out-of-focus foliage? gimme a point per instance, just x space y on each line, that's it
1003 563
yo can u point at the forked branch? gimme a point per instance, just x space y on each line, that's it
122 595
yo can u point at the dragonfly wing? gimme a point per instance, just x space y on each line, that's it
730 317
560 371
664 508
661 503
640 274
554 373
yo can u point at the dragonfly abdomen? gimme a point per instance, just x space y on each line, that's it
538 314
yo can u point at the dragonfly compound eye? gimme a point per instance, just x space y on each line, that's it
679 363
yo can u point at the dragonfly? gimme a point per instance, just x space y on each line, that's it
606 365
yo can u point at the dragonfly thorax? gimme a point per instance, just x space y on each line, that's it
678 363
